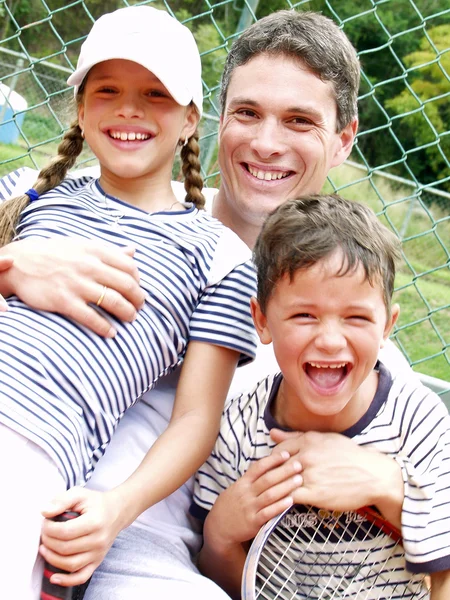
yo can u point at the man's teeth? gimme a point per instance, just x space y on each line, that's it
337 366
267 175
129 137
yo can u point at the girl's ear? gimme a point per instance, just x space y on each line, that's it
81 117
191 122
260 322
395 312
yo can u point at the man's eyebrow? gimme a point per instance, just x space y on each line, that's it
242 100
292 110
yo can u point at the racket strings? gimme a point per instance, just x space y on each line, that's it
320 555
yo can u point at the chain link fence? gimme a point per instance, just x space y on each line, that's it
401 160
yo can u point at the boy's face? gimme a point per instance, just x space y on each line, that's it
326 332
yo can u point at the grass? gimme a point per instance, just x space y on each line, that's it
423 281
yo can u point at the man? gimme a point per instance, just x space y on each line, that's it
289 95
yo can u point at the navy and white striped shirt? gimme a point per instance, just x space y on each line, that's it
405 421
64 387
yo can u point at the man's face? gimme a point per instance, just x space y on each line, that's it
277 138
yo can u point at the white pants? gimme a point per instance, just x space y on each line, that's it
29 479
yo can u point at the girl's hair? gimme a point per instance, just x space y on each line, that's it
193 181
69 149
49 177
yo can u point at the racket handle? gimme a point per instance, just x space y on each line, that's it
51 591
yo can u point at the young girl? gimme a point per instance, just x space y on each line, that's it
63 389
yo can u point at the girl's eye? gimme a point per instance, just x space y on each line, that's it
106 90
156 94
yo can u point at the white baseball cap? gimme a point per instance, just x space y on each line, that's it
151 38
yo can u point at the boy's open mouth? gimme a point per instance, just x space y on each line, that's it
328 376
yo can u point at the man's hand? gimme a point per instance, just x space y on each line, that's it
69 275
6 262
79 545
338 474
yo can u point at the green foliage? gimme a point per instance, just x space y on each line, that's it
424 106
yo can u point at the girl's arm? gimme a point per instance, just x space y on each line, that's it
80 545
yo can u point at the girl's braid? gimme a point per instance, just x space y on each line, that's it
49 177
193 181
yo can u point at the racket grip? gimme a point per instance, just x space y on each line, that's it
51 591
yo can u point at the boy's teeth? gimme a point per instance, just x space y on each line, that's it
267 175
337 366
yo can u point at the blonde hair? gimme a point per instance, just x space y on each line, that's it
69 149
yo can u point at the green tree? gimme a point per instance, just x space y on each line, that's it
423 107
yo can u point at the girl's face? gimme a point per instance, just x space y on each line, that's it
131 123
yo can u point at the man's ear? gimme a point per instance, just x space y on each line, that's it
260 322
395 313
345 143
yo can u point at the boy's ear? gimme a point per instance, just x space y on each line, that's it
260 322
395 313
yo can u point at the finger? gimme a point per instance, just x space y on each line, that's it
63 502
3 304
6 262
268 512
115 304
276 477
72 579
280 490
86 315
260 467
278 435
78 565
119 259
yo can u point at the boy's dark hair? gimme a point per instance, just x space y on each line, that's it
308 37
301 232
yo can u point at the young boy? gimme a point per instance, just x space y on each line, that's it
326 269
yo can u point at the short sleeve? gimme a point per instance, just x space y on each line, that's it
425 463
222 316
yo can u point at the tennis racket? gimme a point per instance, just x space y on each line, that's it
312 553
51 591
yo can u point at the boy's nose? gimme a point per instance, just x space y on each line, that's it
330 340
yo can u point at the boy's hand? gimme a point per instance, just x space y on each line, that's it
79 545
68 275
263 492
338 474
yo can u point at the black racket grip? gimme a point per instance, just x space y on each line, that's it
51 591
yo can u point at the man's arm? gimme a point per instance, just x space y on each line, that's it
67 275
